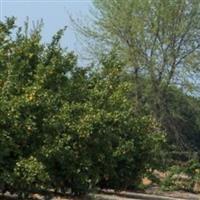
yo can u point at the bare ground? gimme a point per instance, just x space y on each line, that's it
111 195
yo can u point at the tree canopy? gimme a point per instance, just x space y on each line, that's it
66 127
158 41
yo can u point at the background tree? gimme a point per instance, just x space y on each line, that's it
158 42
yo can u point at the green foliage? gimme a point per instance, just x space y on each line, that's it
158 43
182 177
65 127
182 116
30 172
179 116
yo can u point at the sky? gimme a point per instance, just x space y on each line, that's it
55 15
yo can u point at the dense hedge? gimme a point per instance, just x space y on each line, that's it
65 127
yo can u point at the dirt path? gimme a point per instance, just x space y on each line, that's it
111 195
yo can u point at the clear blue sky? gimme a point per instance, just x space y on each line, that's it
55 14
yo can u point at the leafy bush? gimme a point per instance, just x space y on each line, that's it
30 172
65 127
183 177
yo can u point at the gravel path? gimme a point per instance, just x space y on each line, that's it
111 195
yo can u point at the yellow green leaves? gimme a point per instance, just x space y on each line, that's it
31 171
68 127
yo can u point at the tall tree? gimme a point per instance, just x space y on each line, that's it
156 39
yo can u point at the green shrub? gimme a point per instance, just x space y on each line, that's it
183 177
65 127
30 173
